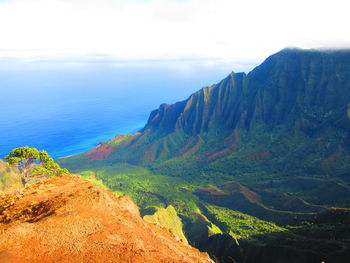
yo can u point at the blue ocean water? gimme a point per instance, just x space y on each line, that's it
68 108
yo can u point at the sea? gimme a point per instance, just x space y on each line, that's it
67 108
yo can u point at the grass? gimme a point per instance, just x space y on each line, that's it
146 189
154 192
9 177
167 217
242 225
90 176
165 200
171 202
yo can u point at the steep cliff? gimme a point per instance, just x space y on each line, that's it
291 113
274 143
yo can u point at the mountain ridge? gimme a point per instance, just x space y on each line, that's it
273 144
293 93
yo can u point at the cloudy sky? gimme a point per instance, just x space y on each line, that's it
169 29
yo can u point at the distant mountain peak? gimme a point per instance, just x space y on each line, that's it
295 97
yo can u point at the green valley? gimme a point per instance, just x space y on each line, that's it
256 166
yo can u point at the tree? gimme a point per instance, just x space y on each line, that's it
34 162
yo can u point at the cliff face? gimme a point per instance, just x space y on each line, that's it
209 107
289 85
274 143
294 106
66 219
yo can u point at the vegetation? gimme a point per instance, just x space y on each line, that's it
249 156
167 217
90 176
9 177
31 162
242 225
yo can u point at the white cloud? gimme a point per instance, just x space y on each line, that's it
166 29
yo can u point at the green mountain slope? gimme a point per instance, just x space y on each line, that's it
273 144
167 217
288 115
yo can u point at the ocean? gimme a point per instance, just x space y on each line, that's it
68 108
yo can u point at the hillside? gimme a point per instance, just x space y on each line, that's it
289 115
283 125
66 219
249 162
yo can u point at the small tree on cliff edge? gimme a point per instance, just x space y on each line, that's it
31 160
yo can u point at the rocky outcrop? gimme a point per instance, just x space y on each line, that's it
289 85
66 219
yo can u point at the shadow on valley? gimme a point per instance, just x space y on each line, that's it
241 222
325 238
256 166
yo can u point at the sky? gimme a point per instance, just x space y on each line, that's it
137 30
92 68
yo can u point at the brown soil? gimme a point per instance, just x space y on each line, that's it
333 159
192 146
262 156
217 154
233 186
100 152
66 219
213 192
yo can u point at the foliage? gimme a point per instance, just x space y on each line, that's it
32 161
90 176
23 157
9 178
242 225
214 229
167 217
201 219
271 131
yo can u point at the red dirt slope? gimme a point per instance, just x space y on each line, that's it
66 219
100 152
